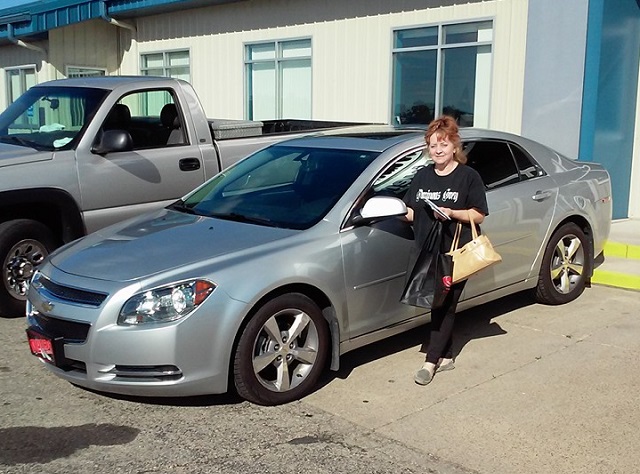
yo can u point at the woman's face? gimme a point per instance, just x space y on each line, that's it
441 149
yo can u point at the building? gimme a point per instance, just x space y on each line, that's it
561 72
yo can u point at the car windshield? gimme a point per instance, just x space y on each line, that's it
280 186
49 118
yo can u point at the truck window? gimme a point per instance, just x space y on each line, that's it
151 117
49 118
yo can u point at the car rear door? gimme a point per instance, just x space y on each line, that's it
521 199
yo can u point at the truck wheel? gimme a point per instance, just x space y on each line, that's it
282 351
23 246
565 264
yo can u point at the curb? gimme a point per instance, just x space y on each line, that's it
616 249
617 279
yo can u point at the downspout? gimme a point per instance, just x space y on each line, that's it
21 43
105 16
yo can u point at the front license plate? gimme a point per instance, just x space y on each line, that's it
44 347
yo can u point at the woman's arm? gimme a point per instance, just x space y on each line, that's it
462 215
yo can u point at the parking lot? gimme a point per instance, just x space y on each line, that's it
537 389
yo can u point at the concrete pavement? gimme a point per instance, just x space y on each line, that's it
536 389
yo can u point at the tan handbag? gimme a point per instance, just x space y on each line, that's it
472 257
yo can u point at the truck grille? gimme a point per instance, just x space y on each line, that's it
72 295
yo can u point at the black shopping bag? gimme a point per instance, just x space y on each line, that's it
430 279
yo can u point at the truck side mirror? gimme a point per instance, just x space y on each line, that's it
112 141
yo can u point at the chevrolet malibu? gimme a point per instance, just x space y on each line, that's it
265 275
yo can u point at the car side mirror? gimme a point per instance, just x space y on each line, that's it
380 207
112 141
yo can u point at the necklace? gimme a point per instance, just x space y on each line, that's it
446 171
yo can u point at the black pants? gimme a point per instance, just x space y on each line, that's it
442 320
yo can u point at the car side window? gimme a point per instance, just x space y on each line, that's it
494 162
395 180
527 167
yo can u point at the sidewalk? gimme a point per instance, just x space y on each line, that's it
621 266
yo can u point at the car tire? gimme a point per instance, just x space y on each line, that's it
282 351
565 266
24 244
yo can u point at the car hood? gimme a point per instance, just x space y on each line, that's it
159 242
16 155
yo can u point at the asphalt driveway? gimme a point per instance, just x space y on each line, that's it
536 389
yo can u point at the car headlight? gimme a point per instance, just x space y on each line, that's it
164 304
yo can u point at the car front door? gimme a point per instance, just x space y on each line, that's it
376 256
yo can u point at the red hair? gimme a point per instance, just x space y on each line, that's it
446 127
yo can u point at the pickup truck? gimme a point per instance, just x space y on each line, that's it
77 155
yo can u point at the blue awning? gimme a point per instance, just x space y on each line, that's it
33 19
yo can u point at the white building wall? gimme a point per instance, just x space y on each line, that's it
17 56
92 44
351 51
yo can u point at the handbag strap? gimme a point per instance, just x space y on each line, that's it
456 237
474 229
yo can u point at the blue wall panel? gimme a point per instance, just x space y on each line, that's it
610 92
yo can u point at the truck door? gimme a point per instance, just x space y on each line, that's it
164 164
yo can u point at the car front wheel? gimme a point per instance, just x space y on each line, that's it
282 351
565 266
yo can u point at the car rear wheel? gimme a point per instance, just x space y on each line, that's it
565 266
282 351
24 244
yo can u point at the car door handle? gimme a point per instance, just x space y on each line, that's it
541 195
189 164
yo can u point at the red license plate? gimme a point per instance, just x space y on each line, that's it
41 346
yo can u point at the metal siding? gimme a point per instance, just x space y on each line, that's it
351 57
90 44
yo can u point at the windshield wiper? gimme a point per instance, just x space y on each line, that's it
20 141
234 216
181 207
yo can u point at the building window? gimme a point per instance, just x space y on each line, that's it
278 80
444 69
79 71
18 81
174 64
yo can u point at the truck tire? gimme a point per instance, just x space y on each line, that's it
24 244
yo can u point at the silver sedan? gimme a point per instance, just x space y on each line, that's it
264 276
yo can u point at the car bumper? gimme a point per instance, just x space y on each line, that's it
184 358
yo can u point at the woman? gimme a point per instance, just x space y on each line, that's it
459 193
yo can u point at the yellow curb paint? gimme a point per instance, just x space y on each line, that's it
616 249
619 280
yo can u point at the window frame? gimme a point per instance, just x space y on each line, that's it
82 69
166 67
23 84
277 62
440 47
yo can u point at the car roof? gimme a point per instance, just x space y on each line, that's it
374 138
378 138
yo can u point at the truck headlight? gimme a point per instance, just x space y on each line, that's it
164 304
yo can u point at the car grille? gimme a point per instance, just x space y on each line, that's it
70 331
72 295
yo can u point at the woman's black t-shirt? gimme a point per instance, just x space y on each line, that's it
461 189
